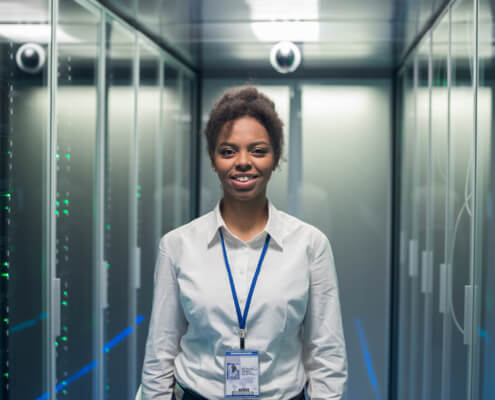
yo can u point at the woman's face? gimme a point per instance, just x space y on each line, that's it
244 159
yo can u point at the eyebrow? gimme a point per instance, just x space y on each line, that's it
250 145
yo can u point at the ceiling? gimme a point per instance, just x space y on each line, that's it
221 37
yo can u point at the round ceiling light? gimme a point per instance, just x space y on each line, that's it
285 57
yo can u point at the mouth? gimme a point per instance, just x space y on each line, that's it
243 181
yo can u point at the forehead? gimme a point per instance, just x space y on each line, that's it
243 130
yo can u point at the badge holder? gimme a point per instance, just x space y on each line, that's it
242 374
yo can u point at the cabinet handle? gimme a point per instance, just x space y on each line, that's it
468 314
427 272
413 258
137 269
104 285
443 299
56 310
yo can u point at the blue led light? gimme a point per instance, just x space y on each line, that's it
484 335
84 370
112 343
27 324
367 358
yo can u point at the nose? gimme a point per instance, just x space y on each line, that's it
243 162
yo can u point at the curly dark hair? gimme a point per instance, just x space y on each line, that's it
245 101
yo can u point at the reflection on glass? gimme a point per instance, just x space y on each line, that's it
24 116
76 346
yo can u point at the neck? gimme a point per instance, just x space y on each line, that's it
245 219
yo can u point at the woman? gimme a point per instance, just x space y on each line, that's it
246 300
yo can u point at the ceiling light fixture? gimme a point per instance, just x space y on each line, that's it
285 57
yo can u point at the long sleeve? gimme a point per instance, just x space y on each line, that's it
324 350
167 326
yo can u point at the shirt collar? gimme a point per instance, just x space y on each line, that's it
273 227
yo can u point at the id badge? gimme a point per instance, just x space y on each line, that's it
242 374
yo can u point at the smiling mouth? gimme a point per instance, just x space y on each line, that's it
244 178
243 182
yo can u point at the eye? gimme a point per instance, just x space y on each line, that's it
226 152
260 151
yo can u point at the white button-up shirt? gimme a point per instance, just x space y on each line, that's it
294 320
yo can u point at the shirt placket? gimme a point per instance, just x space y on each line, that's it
242 265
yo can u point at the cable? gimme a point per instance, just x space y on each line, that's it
451 294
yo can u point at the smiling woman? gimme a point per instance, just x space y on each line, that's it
237 255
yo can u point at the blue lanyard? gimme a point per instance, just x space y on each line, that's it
240 317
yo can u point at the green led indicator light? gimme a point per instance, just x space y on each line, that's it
5 264
5 274
57 212
64 303
139 187
66 212
57 155
108 226
6 320
9 153
66 201
56 343
107 387
108 266
68 156
57 203
64 338
106 350
65 293
65 328
64 391
138 195
6 195
6 374
6 208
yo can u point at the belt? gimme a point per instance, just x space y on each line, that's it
190 395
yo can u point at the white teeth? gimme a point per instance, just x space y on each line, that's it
242 178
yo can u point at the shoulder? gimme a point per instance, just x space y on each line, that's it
194 232
301 232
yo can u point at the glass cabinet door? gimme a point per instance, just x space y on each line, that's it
484 357
76 201
24 114
148 193
460 196
119 144
437 203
